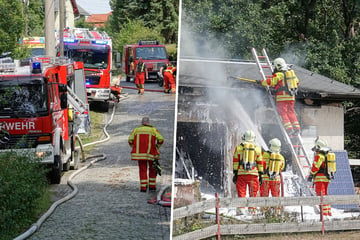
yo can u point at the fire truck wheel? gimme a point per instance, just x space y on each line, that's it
55 174
66 166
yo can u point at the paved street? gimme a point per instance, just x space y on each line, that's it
109 204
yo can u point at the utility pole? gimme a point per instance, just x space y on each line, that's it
49 28
26 3
61 26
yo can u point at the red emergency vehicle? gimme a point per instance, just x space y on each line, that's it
39 109
154 56
94 48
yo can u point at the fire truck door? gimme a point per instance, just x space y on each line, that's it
80 91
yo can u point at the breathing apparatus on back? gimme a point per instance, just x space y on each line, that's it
330 158
248 156
289 76
275 158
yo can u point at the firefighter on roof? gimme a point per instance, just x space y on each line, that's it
169 78
145 141
322 170
141 74
286 84
273 164
247 167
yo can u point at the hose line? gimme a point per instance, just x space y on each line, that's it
51 210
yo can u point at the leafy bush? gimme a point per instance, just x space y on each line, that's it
172 51
133 32
23 185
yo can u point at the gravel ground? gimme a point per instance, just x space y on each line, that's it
109 204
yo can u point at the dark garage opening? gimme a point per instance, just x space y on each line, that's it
204 143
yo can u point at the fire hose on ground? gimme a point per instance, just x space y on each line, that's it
146 90
51 210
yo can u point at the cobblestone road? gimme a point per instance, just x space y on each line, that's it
109 204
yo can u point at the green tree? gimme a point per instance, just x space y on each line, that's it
35 18
159 15
82 24
134 31
11 25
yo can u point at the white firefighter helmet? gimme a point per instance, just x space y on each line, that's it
280 64
275 145
249 136
320 144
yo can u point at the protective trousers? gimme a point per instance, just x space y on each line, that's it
287 114
144 166
321 188
270 186
244 181
169 83
140 81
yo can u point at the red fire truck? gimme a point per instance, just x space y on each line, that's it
94 48
39 108
154 55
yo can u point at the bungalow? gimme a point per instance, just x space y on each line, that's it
214 109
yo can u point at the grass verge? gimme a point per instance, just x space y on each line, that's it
96 131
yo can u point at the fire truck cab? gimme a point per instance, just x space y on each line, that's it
154 56
40 108
94 49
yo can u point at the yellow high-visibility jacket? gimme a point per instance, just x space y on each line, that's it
145 142
278 82
237 161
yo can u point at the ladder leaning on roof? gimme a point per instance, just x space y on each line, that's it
300 158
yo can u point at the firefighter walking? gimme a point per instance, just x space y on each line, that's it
286 84
247 168
273 165
322 170
169 78
145 142
141 74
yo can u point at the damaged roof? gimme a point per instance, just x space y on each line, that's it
214 73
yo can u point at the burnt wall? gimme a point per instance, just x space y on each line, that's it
204 143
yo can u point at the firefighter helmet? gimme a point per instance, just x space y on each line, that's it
145 121
280 64
320 144
249 136
275 145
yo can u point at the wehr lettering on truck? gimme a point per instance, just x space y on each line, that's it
18 126
94 49
38 110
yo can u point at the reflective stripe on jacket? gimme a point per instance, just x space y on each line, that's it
145 142
278 81
140 68
170 69
237 157
318 168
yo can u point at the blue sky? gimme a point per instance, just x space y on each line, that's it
95 6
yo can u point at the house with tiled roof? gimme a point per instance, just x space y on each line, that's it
98 20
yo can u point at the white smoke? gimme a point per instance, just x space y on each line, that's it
207 62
